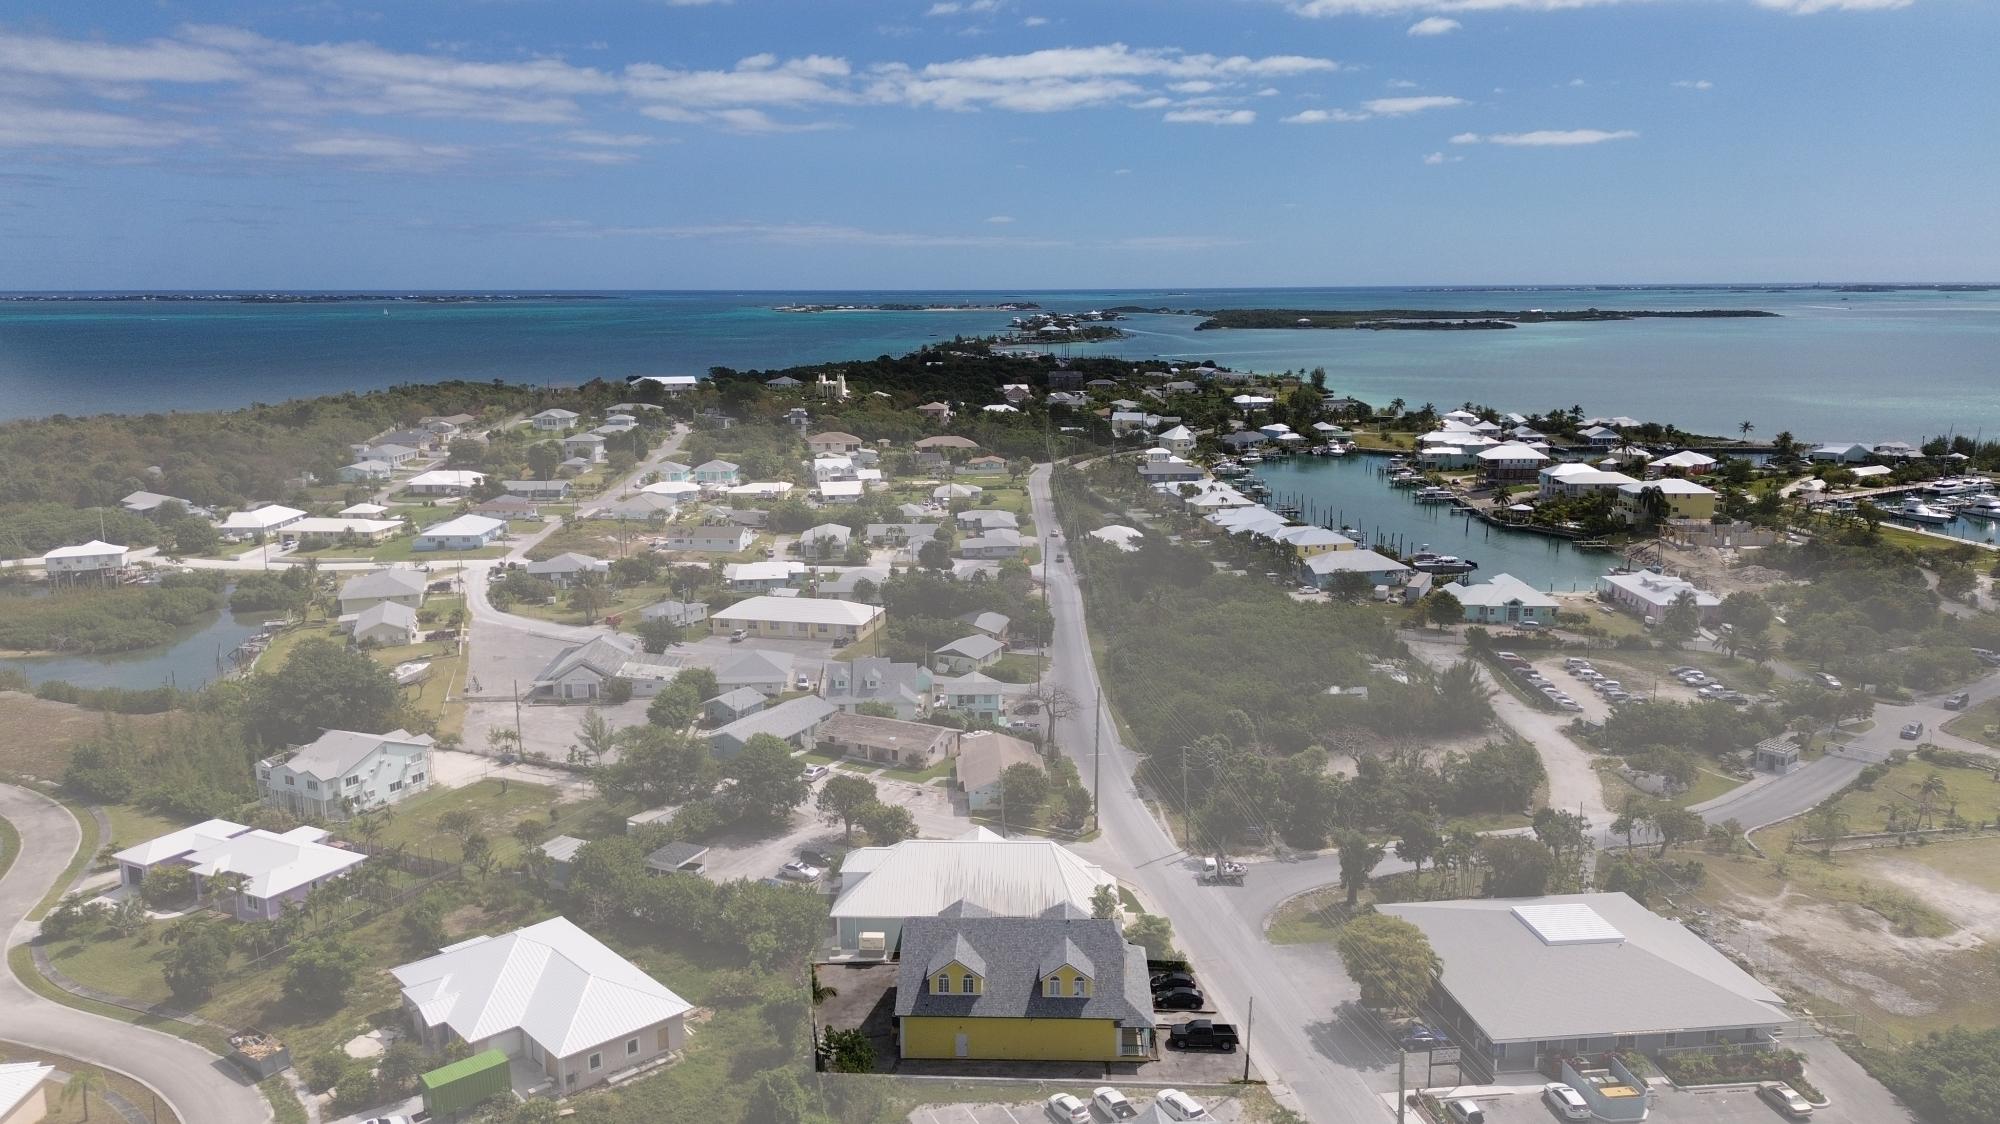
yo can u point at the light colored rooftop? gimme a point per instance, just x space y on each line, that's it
799 610
1006 877
465 525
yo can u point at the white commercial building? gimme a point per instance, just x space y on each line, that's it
881 887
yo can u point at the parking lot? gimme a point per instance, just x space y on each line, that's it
1225 1109
1670 1106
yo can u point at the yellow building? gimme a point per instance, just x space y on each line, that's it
1309 541
1060 987
799 618
1684 499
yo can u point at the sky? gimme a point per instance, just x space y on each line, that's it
994 144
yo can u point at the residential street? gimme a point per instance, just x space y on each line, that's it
200 1087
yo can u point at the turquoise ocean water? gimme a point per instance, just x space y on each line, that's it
1834 366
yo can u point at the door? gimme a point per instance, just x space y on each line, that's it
961 1047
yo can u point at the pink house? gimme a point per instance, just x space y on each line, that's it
277 869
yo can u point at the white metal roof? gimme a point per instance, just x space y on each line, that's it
272 863
1007 877
18 1080
319 525
801 610
95 548
553 980
1499 590
383 583
467 525
261 518
1613 967
447 478
334 752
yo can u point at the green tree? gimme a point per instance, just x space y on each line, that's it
934 555
849 1051
886 824
1677 825
1681 620
842 796
588 596
1358 859
1516 867
595 737
777 1098
657 766
1104 902
1155 934
1442 609
702 680
1390 960
657 634
543 458
769 781
1346 585
1828 824
198 959
1418 843
1023 787
322 686
86 1082
675 707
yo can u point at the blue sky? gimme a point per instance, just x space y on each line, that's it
994 143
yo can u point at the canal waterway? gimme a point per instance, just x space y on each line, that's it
197 657
1354 491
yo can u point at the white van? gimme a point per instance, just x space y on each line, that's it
1464 1111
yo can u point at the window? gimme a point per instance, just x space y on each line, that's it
1079 987
293 781
943 985
968 983
312 785
264 774
596 1062
352 781
416 778
395 785
253 903
1052 988
631 1046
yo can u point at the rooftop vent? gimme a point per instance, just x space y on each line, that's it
1567 924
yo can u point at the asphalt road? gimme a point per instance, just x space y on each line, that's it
1295 1039
200 1087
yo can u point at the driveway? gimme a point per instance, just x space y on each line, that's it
200 1087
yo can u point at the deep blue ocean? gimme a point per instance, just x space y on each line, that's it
1834 366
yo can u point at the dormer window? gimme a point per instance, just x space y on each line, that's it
1079 987
942 985
1052 988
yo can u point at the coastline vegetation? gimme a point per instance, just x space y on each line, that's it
1444 319
93 620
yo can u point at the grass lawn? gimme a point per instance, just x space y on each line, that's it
624 602
36 735
1973 723
1973 791
1312 918
1708 784
1016 667
499 805
131 826
403 550
1650 666
920 776
280 649
440 694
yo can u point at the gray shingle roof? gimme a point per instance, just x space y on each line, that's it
1014 955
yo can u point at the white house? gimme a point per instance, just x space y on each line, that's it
260 520
1844 452
387 624
588 446
675 490
555 420
1179 440
1575 479
91 558
763 576
841 491
1649 595
799 618
968 654
714 538
403 587
24 1092
716 473
444 482
343 772
1375 569
757 490
881 887
984 756
1503 599
673 385
564 569
584 671
277 869
1687 460
467 532
974 693
1511 463
674 472
551 996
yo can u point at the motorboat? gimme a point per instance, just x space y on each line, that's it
1982 507
1957 485
1917 511
1431 563
1435 495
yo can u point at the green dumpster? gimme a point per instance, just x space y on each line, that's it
462 1084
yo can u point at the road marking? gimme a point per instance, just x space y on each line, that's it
1010 1114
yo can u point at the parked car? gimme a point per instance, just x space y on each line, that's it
800 872
1827 681
816 772
1911 731
1178 999
1202 1034
1510 657
1786 1100
388 1120
816 858
1565 1101
736 636
1065 1109
1112 1103
1958 701
1576 662
1166 981
1179 1106
1569 704
1417 1037
1682 669
1465 1111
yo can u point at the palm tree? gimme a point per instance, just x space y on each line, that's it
1829 823
1744 428
1929 795
81 1085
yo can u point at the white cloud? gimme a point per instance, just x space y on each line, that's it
1695 84
963 7
1195 87
746 120
599 156
1548 138
1268 92
1398 107
610 140
35 126
1034 21
1321 116
1211 117
1121 171
1000 220
783 233
381 153
1809 7
1435 25
1576 82
1063 78
1158 101
1437 158
161 60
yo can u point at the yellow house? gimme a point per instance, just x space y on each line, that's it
1309 541
1685 499
1059 987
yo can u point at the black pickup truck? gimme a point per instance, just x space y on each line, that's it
1201 1034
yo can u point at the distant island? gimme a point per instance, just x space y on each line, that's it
1444 320
311 298
1006 306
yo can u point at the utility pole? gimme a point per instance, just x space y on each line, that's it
1402 1098
518 745
1096 756
1249 1026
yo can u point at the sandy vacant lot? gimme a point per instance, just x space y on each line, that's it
36 735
